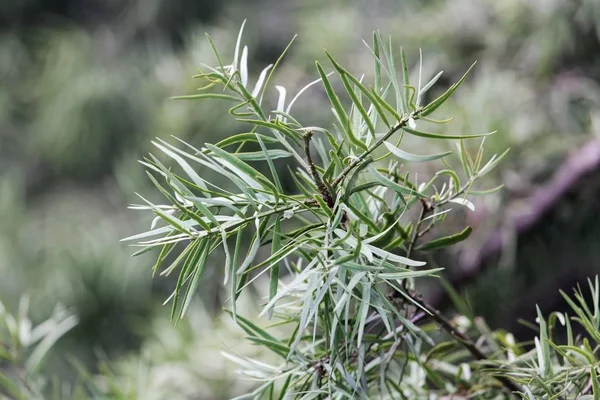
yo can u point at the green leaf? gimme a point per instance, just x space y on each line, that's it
358 104
198 181
276 126
275 346
440 136
485 192
364 310
193 286
206 96
393 185
435 104
10 387
492 163
268 156
274 273
252 251
403 155
453 176
545 349
233 274
164 252
429 84
198 247
595 386
389 57
245 137
279 59
173 221
377 63
374 101
439 350
251 328
447 240
405 75
381 101
341 113
244 171
184 253
323 205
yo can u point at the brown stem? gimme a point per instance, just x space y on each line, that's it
437 316
447 326
425 208
325 193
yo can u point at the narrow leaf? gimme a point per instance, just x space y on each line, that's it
403 155
440 136
339 109
434 105
447 240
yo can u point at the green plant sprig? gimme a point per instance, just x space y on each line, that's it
342 245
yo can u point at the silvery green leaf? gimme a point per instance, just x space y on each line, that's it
236 52
297 96
288 288
60 328
413 157
464 202
281 99
244 67
261 80
540 357
364 310
492 163
429 84
394 257
184 165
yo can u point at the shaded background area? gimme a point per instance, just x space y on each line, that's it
85 87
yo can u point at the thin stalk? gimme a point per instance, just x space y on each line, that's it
447 326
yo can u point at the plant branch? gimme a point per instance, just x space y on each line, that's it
325 193
437 316
425 209
447 326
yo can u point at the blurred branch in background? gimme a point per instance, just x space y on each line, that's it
521 215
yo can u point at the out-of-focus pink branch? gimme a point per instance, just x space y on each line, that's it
584 160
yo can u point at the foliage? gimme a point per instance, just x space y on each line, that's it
558 367
335 273
23 348
69 164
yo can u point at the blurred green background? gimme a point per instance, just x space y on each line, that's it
85 87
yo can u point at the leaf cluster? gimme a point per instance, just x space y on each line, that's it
340 248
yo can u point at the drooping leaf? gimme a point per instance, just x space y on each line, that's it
339 109
403 155
441 136
447 240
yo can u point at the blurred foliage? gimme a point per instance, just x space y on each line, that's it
85 87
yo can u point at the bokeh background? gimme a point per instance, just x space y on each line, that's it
85 87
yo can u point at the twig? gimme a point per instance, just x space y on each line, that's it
446 325
425 208
437 316
325 193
